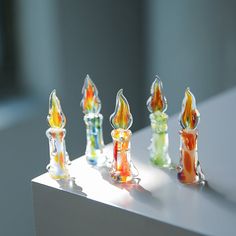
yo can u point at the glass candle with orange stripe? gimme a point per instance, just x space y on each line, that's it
59 158
157 105
91 105
189 170
122 169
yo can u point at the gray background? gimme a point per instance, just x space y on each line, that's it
121 44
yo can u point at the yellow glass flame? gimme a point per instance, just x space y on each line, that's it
121 118
90 102
157 101
56 117
190 116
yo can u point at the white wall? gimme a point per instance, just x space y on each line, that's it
190 43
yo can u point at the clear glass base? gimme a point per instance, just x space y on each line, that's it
160 161
57 175
117 176
99 160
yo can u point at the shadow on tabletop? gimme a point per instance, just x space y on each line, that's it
71 186
144 196
218 197
133 187
208 191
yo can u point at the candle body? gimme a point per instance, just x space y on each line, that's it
122 168
58 166
95 144
160 141
189 169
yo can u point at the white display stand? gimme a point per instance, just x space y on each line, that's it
91 204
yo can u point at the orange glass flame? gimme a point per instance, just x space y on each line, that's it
157 101
121 118
90 102
56 117
190 116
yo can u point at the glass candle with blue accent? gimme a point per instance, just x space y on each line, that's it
93 119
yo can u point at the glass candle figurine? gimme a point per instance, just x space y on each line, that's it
91 105
122 169
189 170
59 158
157 106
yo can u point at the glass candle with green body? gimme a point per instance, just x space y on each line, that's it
157 106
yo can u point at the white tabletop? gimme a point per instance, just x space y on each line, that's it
209 210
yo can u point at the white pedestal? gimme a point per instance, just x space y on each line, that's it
159 205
